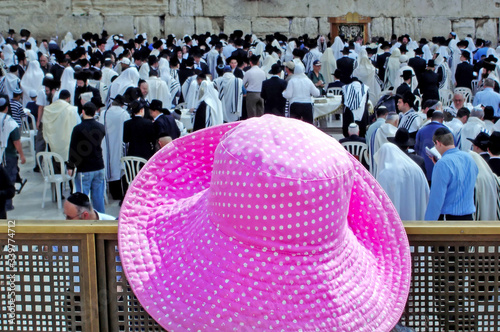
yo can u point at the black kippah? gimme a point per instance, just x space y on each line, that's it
79 199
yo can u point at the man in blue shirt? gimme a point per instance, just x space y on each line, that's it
488 97
453 180
424 139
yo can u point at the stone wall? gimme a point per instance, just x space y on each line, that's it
419 18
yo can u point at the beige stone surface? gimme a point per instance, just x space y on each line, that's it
148 24
179 26
186 8
265 25
230 8
487 29
300 26
204 24
236 23
480 9
78 25
432 8
324 26
281 8
434 26
381 27
407 25
464 27
120 24
4 25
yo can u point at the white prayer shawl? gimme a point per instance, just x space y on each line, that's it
7 125
109 43
427 52
337 47
455 126
403 181
496 127
268 63
175 85
231 95
119 50
214 114
366 72
190 90
399 79
470 130
158 89
129 78
443 51
456 53
392 70
11 82
107 75
385 130
8 55
328 66
289 51
355 95
471 47
31 55
68 43
32 80
164 70
313 55
59 119
68 82
486 190
322 46
212 57
112 144
144 71
446 82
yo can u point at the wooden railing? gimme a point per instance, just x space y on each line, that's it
67 276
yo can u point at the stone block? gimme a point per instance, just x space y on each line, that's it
4 25
129 7
283 8
324 26
373 8
120 24
268 25
186 8
480 9
204 24
381 27
77 25
151 25
230 8
300 26
233 23
426 8
59 7
23 7
487 29
463 27
407 25
434 26
179 26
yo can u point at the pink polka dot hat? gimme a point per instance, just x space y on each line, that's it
265 224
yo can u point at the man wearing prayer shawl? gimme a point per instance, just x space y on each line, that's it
471 129
10 82
209 109
486 191
313 55
213 59
366 73
107 72
59 119
403 181
112 145
231 94
158 89
355 100
388 129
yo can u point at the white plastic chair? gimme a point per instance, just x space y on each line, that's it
46 162
330 92
466 92
475 87
132 166
445 97
359 150
28 134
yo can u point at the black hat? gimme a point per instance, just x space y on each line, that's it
419 51
337 73
407 74
13 68
464 43
402 138
385 45
466 54
275 69
84 75
481 141
489 65
11 31
345 50
79 199
97 101
156 105
491 58
494 142
119 99
189 61
254 58
50 83
423 41
430 63
157 44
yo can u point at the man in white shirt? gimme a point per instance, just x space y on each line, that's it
298 92
253 82
471 129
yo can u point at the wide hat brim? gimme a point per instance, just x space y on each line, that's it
409 142
190 275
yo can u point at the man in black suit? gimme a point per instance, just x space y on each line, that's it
346 66
429 83
382 58
417 63
336 80
187 70
465 71
239 52
138 132
57 69
200 65
272 92
163 124
406 85
494 150
480 145
82 87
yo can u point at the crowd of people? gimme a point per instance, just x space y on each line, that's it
101 97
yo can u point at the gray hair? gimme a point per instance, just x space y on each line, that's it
392 118
477 113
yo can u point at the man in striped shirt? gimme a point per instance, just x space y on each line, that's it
410 119
16 107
